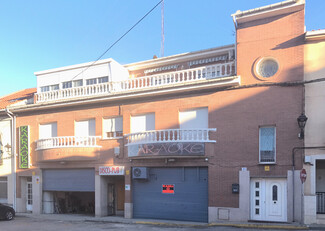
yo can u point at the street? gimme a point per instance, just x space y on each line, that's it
43 224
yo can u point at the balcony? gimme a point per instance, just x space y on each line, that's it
169 79
67 148
67 142
169 142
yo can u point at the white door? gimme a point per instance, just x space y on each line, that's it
29 195
268 199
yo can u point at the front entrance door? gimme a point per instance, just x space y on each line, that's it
111 199
29 196
269 199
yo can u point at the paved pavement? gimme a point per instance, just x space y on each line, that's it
151 223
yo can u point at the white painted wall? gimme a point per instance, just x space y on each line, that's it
108 67
314 131
6 167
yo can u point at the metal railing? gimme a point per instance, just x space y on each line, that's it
170 135
320 202
67 142
147 82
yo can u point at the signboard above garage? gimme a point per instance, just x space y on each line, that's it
111 170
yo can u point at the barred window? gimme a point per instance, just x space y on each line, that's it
267 144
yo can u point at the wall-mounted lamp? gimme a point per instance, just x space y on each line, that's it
302 119
8 148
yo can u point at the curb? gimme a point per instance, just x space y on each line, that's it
261 226
251 226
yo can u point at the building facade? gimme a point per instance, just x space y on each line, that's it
314 156
201 136
7 131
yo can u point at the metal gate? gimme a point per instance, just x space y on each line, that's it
69 180
173 194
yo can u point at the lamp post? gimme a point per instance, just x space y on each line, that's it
302 119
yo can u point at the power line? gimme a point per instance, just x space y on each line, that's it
110 47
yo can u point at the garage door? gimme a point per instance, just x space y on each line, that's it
69 180
173 194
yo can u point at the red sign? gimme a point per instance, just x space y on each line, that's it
111 170
303 175
168 188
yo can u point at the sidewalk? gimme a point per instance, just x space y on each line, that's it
118 219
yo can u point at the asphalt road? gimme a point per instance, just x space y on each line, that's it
22 223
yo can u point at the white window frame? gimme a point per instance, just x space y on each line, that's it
77 134
114 133
188 117
53 125
274 145
148 122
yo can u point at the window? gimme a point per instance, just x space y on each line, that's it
45 88
3 189
77 83
103 79
194 118
47 130
267 144
97 80
113 127
54 87
50 88
91 81
85 128
142 123
67 84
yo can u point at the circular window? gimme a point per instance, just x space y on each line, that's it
267 67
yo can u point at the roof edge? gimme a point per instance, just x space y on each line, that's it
269 10
315 35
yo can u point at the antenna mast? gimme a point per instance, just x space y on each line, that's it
162 30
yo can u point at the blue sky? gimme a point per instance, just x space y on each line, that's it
38 35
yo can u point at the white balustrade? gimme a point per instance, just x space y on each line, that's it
67 142
170 135
152 81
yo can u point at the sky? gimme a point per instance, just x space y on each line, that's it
38 35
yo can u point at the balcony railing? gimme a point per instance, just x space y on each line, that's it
152 81
170 135
320 201
67 142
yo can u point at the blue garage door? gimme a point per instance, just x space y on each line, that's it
173 194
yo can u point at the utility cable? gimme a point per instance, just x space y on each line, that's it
111 46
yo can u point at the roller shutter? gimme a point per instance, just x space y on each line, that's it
187 201
69 180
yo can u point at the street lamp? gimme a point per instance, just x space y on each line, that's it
302 119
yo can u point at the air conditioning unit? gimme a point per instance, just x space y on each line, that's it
140 173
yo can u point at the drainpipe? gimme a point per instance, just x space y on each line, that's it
293 171
235 24
13 152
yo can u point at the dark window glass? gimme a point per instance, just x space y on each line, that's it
103 79
257 211
275 193
257 184
67 84
257 202
257 193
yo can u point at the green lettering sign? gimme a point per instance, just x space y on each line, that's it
23 147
